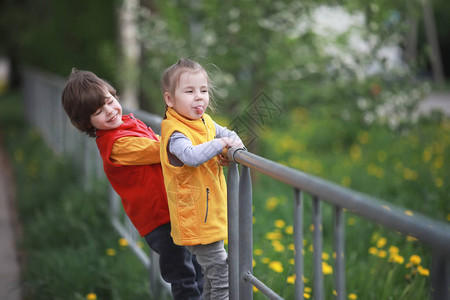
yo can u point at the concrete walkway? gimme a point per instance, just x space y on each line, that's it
10 287
436 101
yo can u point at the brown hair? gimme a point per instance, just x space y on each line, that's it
171 77
82 96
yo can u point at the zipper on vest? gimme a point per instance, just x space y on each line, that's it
206 127
218 164
207 204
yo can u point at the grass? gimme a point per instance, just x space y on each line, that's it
67 235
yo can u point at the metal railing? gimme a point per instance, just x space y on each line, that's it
435 234
42 95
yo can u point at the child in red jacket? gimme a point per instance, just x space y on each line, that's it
130 153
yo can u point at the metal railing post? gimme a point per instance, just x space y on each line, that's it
440 276
317 244
245 234
233 230
298 244
339 244
154 273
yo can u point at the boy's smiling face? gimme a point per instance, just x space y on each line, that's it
109 116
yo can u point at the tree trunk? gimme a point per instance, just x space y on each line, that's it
130 53
435 55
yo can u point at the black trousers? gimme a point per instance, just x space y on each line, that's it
178 266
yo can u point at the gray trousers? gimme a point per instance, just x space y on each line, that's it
213 259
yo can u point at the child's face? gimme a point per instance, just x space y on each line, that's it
191 96
109 116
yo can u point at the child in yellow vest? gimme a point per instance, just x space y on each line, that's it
191 147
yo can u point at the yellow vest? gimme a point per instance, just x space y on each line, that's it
197 196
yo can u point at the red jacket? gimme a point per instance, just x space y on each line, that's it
140 187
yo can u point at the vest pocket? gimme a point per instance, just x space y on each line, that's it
207 204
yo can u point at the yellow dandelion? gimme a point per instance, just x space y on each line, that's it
306 295
255 289
272 203
351 221
427 155
111 252
253 263
438 162
326 268
325 256
393 250
381 242
373 250
265 260
355 152
289 229
277 246
399 259
273 235
409 174
280 224
352 296
308 289
291 247
415 259
382 253
276 266
422 271
292 261
257 252
448 217
91 296
123 242
291 279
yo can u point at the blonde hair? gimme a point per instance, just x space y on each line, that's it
171 77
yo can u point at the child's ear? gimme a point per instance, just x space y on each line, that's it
168 99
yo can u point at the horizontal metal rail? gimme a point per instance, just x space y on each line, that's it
433 233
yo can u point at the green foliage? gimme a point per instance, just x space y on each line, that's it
59 35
